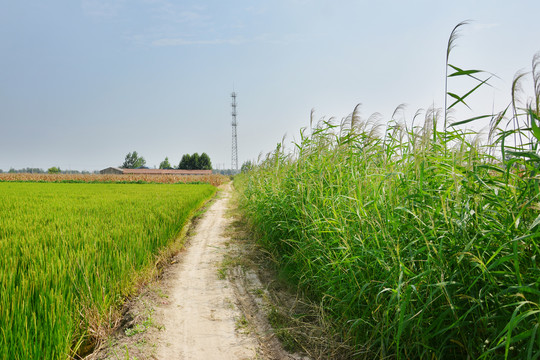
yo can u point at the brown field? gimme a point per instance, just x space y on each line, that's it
214 179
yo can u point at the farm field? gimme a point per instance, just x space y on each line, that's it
214 179
70 253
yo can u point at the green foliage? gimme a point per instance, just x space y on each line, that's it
165 164
204 162
143 326
133 161
195 162
70 253
419 243
247 166
185 163
54 170
414 251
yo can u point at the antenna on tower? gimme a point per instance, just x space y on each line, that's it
234 156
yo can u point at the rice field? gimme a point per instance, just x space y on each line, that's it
70 254
418 240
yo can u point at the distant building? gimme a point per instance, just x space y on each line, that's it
112 170
119 171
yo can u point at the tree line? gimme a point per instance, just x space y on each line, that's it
51 170
189 162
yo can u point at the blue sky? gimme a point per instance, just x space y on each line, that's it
82 83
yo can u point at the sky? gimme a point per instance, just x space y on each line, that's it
82 83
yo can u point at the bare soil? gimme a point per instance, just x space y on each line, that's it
207 304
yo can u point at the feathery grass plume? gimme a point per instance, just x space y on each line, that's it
493 131
516 90
356 117
536 81
457 73
400 109
414 130
454 35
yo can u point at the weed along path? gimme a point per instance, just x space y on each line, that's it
200 319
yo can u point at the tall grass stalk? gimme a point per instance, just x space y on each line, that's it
418 243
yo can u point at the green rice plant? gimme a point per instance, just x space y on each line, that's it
70 254
417 242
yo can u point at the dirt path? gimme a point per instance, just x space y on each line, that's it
207 305
201 320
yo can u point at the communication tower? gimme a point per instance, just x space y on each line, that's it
234 156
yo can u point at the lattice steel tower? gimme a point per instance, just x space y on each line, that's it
234 156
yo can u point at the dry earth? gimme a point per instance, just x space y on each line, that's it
204 307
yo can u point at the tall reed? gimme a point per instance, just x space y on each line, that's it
417 242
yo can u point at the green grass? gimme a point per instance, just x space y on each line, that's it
418 242
70 253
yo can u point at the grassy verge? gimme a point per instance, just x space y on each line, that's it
279 308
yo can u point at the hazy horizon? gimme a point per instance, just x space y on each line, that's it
86 82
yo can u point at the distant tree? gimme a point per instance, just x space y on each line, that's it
133 161
71 172
194 163
26 170
185 163
165 164
54 170
204 162
246 166
32 170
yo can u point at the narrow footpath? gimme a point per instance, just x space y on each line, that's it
201 320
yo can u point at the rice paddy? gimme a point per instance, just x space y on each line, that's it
70 254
